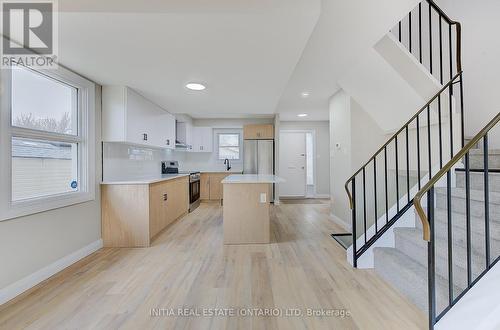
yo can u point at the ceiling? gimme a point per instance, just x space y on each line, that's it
255 57
346 31
244 51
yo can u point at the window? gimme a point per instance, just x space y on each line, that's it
47 140
229 146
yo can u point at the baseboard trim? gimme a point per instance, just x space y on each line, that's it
10 292
322 196
340 222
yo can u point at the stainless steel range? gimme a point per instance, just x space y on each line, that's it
172 167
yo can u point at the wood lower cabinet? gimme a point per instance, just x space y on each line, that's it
211 186
258 132
205 186
132 215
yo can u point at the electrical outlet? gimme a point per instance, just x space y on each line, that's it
263 197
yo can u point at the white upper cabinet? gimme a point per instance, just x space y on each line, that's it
129 117
202 139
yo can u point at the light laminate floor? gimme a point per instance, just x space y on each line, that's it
188 266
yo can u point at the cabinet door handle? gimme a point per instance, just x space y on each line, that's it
168 142
145 137
165 197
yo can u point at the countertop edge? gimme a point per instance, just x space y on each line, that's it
143 181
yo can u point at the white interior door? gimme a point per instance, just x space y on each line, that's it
292 155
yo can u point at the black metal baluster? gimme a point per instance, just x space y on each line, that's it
408 163
467 212
386 192
418 151
409 31
430 37
429 139
451 51
486 201
441 49
431 260
354 236
399 31
364 203
420 31
397 173
440 133
375 191
462 110
450 105
450 239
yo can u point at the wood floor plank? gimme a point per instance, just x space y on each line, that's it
188 266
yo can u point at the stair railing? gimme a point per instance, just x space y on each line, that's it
427 218
427 33
448 101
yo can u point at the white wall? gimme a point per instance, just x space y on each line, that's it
30 243
480 55
354 137
340 155
322 160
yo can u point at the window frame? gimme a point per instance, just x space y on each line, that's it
85 140
239 145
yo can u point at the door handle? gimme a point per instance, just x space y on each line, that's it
165 197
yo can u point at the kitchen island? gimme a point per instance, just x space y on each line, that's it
246 208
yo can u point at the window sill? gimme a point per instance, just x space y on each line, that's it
33 206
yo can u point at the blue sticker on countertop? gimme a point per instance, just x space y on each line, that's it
74 184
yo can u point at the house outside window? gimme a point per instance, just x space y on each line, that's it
47 140
229 146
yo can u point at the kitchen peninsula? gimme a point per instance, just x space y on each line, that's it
246 208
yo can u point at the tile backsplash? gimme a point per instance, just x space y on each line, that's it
123 161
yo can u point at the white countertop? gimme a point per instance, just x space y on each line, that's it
252 178
146 180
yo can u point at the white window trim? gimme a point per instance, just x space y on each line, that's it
240 145
86 140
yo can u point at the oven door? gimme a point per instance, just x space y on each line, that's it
194 191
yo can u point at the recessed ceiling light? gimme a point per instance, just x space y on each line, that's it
195 86
302 115
305 94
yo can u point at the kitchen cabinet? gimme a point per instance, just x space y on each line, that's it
205 186
129 117
202 139
258 132
133 214
211 186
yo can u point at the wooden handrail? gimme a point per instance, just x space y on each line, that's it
418 197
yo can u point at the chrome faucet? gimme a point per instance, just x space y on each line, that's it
228 166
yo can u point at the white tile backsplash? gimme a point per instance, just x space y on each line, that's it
124 162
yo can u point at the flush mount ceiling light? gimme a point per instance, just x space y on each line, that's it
302 115
305 94
195 86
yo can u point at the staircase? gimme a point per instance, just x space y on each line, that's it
407 261
433 254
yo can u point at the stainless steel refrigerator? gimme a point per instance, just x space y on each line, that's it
258 157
